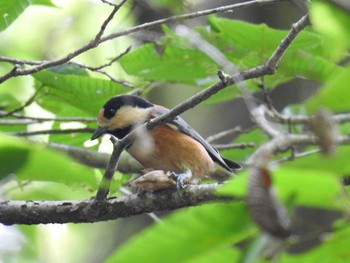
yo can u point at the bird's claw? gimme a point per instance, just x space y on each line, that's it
181 180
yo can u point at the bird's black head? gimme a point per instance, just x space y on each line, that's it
115 103
120 114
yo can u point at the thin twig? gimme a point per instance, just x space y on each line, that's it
121 82
43 119
108 3
300 119
296 156
223 134
276 57
17 122
222 9
127 50
229 146
17 61
52 131
100 68
282 142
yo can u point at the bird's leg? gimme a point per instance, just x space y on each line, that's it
182 178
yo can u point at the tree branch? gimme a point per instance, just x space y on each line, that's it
88 211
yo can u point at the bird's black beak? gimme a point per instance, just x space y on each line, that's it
99 131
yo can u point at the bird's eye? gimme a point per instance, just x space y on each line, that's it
109 113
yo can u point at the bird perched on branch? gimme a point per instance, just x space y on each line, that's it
174 146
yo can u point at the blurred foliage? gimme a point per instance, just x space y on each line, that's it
203 228
212 232
25 161
10 10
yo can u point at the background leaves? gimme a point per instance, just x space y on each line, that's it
10 10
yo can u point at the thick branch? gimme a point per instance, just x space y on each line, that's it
88 211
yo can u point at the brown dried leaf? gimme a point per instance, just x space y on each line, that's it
263 205
154 180
324 126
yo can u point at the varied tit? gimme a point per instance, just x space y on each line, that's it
174 147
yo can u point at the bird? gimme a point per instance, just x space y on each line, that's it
172 147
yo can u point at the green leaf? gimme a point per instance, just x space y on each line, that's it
305 185
175 6
177 64
7 100
44 190
187 235
236 187
334 94
76 92
333 22
221 255
67 69
34 162
11 9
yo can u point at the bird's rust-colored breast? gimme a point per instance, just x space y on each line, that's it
173 151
